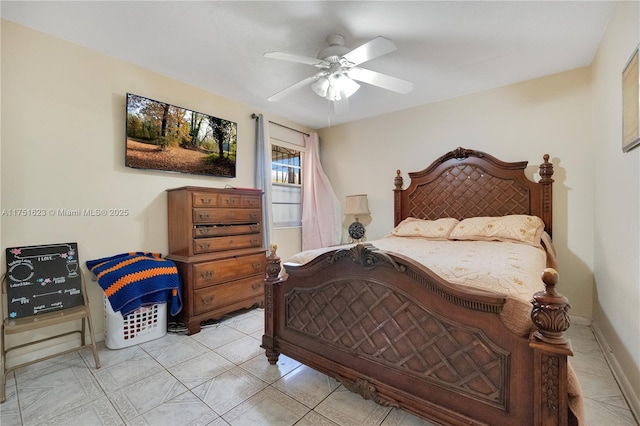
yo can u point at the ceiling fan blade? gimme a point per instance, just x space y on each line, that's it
372 49
296 58
293 87
381 80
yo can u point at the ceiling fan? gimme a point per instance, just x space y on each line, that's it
339 71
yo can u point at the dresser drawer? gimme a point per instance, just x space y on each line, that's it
200 231
217 296
250 201
230 200
209 273
206 215
207 245
204 199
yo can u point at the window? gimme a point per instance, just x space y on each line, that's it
286 186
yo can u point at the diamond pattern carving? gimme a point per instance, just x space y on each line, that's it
374 321
468 191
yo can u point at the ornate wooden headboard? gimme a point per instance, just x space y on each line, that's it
466 183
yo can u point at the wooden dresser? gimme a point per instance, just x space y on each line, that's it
215 240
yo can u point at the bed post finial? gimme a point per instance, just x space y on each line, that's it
273 264
546 170
398 181
550 311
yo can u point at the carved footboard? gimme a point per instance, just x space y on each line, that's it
394 332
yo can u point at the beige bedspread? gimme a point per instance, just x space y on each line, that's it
512 269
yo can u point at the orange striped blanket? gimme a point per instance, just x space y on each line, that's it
130 280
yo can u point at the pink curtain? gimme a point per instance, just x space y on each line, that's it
321 224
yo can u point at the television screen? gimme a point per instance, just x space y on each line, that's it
166 137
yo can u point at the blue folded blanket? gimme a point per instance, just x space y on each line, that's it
130 280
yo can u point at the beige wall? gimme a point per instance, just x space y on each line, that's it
616 311
518 122
63 115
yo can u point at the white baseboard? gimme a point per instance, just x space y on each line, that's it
627 391
580 320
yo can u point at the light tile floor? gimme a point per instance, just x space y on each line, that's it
220 376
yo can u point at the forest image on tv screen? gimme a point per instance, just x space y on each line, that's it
161 136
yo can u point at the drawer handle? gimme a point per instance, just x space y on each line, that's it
254 241
230 201
205 200
206 275
254 228
203 215
207 300
255 286
254 216
204 246
256 266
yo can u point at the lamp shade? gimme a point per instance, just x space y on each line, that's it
357 205
345 85
320 86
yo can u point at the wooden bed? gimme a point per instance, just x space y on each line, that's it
393 331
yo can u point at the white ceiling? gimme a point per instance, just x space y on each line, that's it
447 49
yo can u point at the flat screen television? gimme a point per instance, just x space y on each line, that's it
161 136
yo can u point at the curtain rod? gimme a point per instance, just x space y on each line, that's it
255 116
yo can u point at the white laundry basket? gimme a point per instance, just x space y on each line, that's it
142 325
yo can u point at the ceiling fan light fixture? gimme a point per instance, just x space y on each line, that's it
345 85
320 86
335 87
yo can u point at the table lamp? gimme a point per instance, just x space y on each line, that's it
357 205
